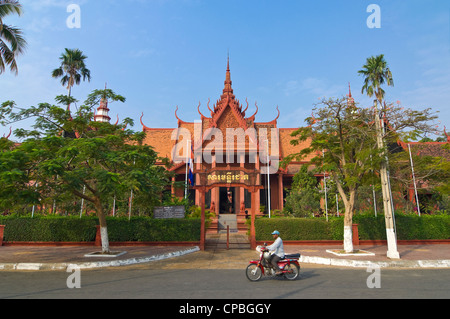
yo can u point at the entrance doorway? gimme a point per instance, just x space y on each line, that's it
227 200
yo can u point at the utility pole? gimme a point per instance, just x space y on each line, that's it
414 179
387 196
186 175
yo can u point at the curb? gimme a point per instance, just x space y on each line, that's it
382 264
303 259
93 265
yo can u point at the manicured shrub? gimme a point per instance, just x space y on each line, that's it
49 229
293 228
144 229
408 227
75 229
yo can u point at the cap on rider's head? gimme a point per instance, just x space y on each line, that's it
276 232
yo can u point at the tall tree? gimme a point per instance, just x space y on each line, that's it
104 159
303 199
12 42
376 73
342 138
72 69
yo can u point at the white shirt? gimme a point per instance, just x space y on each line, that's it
277 248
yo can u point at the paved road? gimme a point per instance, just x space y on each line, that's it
149 282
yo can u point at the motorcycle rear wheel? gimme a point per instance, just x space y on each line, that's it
292 271
253 272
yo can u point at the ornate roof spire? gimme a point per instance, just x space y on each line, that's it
228 90
103 111
350 100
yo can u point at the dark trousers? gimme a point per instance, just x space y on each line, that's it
274 259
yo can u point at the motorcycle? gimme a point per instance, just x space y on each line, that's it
289 266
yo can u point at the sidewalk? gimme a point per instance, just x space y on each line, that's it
215 256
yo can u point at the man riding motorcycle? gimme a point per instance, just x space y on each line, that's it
277 251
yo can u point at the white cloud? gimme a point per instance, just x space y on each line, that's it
142 53
45 4
313 86
431 89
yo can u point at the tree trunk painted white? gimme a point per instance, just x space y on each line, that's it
392 251
349 204
348 239
105 240
103 228
387 196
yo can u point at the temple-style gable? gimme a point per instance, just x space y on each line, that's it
228 110
233 139
227 113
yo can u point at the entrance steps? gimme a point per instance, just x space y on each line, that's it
218 241
235 222
217 237
225 221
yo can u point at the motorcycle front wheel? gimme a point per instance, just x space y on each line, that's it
292 271
253 272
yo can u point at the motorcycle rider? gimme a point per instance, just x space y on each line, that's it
277 251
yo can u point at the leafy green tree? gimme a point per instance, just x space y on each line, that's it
304 197
377 73
342 136
102 159
12 42
15 192
72 69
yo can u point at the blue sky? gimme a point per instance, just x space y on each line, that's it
164 53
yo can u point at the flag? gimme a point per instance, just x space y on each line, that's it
191 168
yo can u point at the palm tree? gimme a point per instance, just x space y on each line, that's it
12 42
72 69
376 73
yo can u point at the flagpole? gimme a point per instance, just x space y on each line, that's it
114 205
325 188
186 178
268 176
32 212
82 201
337 204
130 204
414 179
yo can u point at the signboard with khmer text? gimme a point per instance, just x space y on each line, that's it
221 176
169 212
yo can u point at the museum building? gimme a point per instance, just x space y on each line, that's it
229 150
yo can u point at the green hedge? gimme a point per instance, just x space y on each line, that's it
408 227
293 228
140 229
74 229
148 229
49 229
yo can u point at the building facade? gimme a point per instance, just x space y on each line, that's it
229 148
